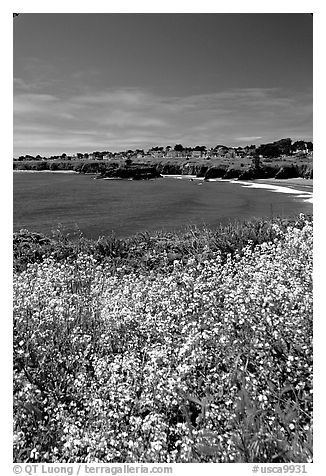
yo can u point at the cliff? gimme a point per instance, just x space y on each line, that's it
225 171
280 169
277 172
130 172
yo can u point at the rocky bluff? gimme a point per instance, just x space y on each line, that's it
133 172
228 172
207 169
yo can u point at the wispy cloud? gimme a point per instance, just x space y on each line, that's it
114 119
247 138
29 103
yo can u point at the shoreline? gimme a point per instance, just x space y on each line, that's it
304 195
291 181
273 185
47 171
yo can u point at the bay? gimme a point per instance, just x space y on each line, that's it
44 200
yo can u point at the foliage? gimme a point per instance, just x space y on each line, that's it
302 145
144 251
178 147
284 145
269 150
205 359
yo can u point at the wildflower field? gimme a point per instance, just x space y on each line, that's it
166 349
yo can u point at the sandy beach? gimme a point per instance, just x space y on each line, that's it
300 187
297 182
295 186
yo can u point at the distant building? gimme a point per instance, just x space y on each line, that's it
119 155
195 154
175 154
157 154
230 154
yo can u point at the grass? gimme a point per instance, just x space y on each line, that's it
145 251
194 347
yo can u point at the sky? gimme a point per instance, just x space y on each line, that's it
86 82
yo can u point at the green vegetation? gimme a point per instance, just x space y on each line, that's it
193 347
242 168
144 252
283 146
280 159
271 150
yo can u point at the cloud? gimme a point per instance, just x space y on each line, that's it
30 103
115 119
247 138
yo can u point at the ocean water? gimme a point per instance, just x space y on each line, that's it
44 200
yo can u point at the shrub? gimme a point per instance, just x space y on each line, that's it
207 359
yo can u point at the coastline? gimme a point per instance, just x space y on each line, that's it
274 185
46 171
295 186
290 181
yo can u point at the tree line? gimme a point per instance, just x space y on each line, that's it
269 150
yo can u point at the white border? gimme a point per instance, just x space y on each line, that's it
168 6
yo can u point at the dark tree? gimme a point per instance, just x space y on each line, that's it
269 150
157 149
250 147
301 145
284 145
178 148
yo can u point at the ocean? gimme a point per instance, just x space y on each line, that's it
75 202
